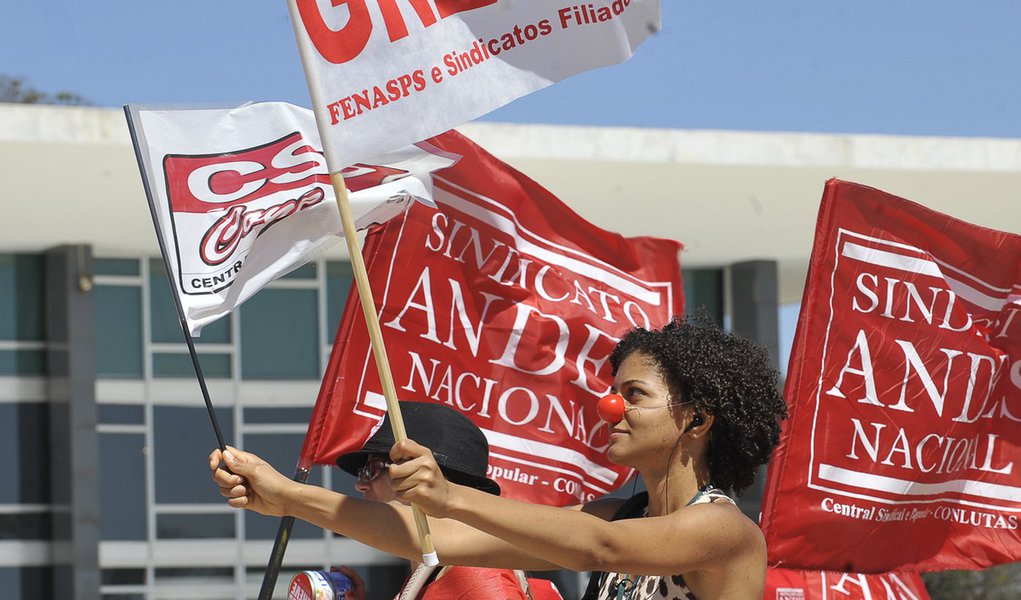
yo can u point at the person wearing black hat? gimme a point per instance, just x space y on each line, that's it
460 447
462 455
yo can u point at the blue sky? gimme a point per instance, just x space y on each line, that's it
936 67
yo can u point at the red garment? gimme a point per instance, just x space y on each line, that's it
543 589
473 583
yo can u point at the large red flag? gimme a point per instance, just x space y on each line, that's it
504 304
902 447
791 584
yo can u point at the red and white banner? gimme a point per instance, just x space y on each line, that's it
384 74
505 305
903 446
791 584
242 196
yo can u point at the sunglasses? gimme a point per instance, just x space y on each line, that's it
374 467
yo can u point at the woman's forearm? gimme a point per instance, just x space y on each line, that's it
386 527
571 539
390 527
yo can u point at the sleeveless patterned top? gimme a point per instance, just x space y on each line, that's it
654 587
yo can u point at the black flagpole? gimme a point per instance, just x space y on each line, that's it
276 557
173 284
301 475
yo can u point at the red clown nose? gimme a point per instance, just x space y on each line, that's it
611 408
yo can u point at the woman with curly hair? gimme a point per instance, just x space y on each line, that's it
702 413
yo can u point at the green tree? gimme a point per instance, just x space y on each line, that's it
17 90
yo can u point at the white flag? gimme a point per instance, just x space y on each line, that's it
384 74
241 196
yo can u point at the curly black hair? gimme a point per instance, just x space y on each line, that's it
723 375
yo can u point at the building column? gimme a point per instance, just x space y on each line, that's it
74 443
703 290
755 306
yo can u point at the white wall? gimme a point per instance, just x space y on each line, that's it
69 175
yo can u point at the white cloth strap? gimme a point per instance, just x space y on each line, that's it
416 582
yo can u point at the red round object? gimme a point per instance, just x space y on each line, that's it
611 408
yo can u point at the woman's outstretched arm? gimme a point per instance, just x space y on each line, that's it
255 485
703 537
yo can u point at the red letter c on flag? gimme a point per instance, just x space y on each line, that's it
341 45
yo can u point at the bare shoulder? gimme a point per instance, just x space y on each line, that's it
722 526
733 564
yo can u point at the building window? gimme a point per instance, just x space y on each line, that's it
22 324
182 440
166 326
122 486
214 365
24 454
279 335
119 331
27 582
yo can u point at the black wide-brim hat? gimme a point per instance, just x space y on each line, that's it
460 447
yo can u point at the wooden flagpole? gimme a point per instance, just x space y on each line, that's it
429 557
393 409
